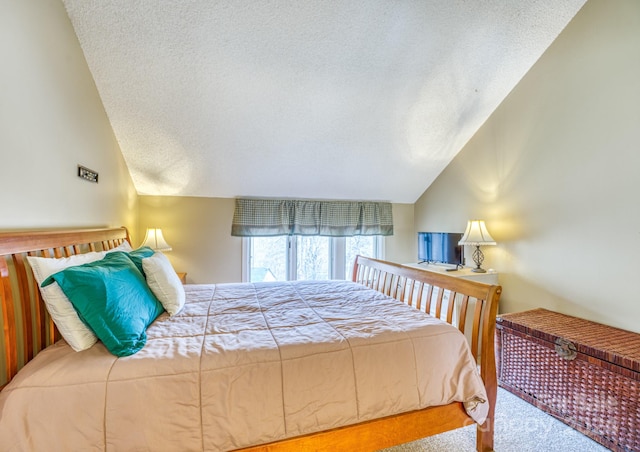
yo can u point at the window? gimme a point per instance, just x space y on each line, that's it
312 257
285 258
288 239
269 259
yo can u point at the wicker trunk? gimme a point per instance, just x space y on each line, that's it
584 373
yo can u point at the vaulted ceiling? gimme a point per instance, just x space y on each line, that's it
323 99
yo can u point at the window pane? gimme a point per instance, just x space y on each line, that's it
268 259
364 245
313 257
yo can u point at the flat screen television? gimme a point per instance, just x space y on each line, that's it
440 248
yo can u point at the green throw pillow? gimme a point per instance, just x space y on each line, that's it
112 297
138 254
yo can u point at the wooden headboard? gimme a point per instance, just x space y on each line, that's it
26 324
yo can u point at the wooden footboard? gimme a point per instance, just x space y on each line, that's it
474 308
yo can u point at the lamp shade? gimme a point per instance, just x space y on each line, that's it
155 240
476 234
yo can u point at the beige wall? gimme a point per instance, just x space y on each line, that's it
555 173
401 246
51 120
199 231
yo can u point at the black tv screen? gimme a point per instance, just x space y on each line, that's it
440 247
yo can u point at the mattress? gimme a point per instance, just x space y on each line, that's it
244 364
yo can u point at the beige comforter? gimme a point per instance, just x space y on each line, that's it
243 364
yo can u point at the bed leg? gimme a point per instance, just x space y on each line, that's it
484 436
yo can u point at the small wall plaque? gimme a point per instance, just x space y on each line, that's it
87 174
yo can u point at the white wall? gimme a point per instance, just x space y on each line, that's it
51 120
555 172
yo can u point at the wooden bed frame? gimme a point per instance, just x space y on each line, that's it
28 329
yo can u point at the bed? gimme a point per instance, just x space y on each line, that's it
220 392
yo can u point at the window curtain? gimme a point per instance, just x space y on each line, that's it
271 217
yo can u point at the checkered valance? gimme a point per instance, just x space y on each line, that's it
270 217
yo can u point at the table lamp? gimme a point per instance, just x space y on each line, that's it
477 235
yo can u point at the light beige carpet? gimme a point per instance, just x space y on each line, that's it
520 427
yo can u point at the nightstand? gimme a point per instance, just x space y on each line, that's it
182 276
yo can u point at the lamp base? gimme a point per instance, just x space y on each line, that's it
478 257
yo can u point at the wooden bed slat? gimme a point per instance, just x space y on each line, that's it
393 287
9 320
382 282
475 335
27 318
419 297
410 296
463 313
439 303
402 288
450 305
429 298
40 314
41 318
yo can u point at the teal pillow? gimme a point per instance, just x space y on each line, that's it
112 297
138 254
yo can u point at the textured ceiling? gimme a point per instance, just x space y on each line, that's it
364 99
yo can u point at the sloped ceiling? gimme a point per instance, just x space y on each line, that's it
324 99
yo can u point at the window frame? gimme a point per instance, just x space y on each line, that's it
337 257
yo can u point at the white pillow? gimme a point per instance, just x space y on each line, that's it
164 282
78 335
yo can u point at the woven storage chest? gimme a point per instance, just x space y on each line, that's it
584 373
